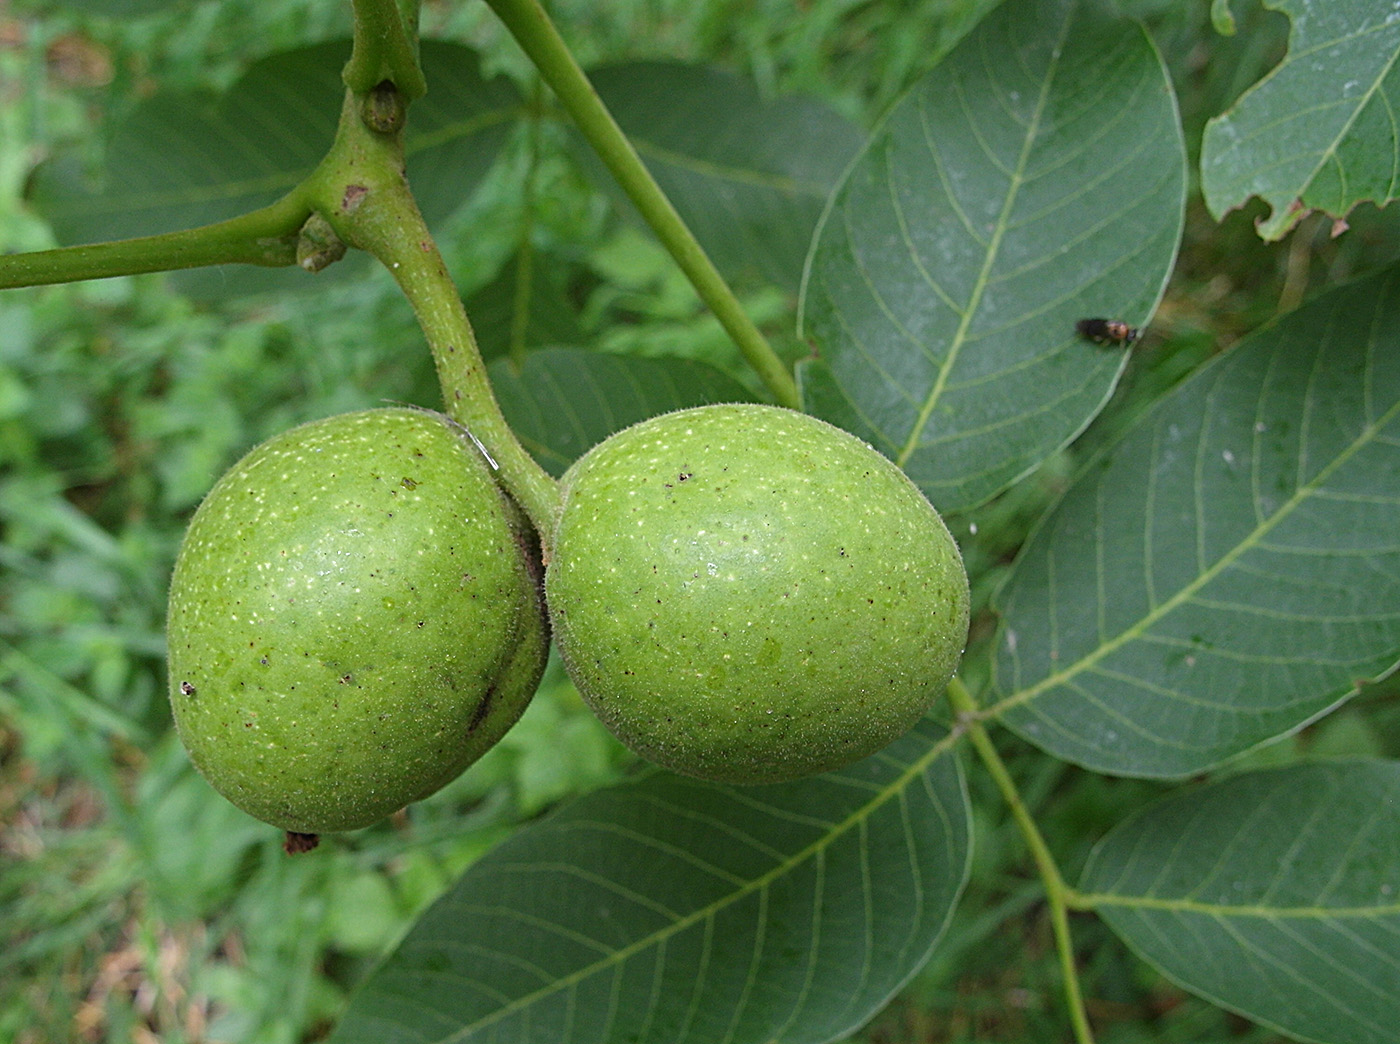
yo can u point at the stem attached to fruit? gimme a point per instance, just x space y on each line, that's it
530 25
264 237
1057 893
361 191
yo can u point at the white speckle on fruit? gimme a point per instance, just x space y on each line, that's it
777 502
236 602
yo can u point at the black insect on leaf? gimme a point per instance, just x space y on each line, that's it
1108 331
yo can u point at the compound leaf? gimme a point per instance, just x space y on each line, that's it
678 911
1035 177
1319 131
1274 894
562 401
1229 570
749 176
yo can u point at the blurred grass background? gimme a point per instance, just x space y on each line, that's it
135 904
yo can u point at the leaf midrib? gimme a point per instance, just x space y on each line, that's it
856 818
916 432
1098 900
1280 215
751 176
1251 540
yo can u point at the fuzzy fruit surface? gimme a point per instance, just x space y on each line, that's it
747 594
353 620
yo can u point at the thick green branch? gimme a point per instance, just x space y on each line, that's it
263 237
536 34
384 49
361 191
362 194
1057 893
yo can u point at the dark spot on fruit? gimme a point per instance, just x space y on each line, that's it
468 517
488 700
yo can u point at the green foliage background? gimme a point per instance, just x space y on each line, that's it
134 903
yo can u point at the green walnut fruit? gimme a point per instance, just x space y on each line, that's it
747 594
354 619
